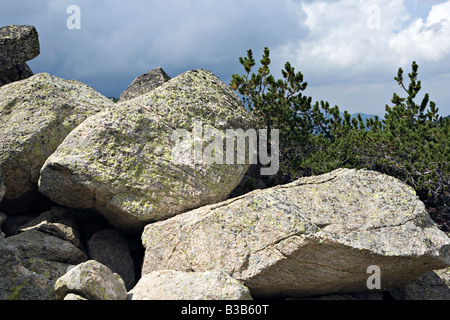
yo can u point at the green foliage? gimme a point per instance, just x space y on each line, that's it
410 143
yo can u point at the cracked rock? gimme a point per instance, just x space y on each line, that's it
317 235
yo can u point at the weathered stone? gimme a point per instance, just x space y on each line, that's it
144 84
317 235
91 280
18 44
36 115
176 285
19 283
120 161
58 222
36 244
110 248
15 73
434 285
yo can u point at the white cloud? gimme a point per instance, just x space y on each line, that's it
426 40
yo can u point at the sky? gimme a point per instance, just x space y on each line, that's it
349 51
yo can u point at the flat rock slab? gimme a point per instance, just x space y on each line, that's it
317 235
120 161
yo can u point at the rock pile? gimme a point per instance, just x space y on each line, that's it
95 207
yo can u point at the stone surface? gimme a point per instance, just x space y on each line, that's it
144 84
317 235
36 115
58 222
91 280
19 283
18 44
434 285
74 297
120 161
39 245
176 285
15 73
110 248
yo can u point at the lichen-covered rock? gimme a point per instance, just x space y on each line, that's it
39 245
144 84
317 235
18 44
120 161
110 248
93 281
36 115
58 222
177 285
17 282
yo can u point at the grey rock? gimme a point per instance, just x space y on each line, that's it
315 236
74 297
13 223
144 84
19 283
434 285
18 44
58 222
15 73
39 245
91 280
176 285
36 114
120 161
110 248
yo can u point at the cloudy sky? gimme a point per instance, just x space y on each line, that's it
348 50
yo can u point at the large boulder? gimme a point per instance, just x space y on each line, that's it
120 162
36 115
18 44
317 235
110 248
145 83
177 285
93 281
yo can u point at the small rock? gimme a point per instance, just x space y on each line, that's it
73 297
92 280
144 84
176 285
